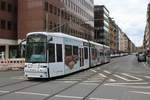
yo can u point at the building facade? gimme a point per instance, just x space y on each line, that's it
72 17
18 17
126 45
112 33
8 28
146 41
101 24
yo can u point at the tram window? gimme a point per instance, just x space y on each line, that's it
68 50
101 54
94 55
85 53
59 52
51 52
75 50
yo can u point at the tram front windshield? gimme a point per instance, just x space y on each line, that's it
36 49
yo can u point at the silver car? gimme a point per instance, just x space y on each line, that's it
141 57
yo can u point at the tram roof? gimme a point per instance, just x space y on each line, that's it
99 44
57 34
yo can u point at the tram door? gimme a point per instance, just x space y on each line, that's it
81 57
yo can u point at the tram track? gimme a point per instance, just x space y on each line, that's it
13 83
64 89
86 78
26 87
100 84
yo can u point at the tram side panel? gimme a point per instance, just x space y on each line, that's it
73 55
56 57
99 58
93 55
86 57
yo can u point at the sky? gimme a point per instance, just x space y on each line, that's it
130 15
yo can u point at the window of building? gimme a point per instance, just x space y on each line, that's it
15 9
3 24
51 8
55 10
3 5
9 7
9 25
46 6
59 52
14 26
51 48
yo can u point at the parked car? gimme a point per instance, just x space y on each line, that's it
141 57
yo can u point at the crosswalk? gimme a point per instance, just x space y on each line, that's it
123 77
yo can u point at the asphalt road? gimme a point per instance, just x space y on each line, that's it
122 79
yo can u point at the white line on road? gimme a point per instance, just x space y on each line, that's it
71 97
140 92
102 75
99 99
4 91
18 77
89 83
137 79
107 72
31 93
147 77
92 81
93 70
121 77
67 81
112 80
127 85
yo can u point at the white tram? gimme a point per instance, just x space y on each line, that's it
55 54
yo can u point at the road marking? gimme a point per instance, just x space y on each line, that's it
137 79
121 77
112 80
107 72
31 93
93 70
98 68
102 75
99 99
140 92
67 81
4 91
71 97
73 79
147 77
18 77
89 83
126 85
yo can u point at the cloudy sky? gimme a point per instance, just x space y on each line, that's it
130 15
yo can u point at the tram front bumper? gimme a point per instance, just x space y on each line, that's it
36 73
